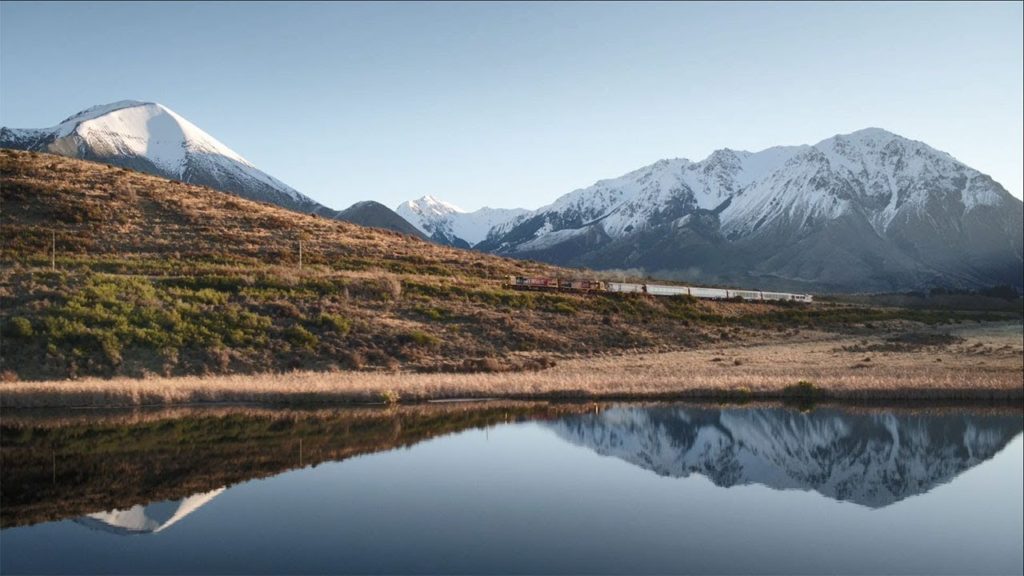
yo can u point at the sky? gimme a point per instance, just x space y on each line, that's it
515 104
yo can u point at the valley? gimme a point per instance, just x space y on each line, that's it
146 290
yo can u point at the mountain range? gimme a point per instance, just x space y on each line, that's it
152 138
871 459
869 211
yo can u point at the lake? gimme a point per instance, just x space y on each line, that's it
515 488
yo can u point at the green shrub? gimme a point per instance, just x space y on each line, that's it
18 327
335 323
300 337
563 308
389 396
422 338
803 390
432 312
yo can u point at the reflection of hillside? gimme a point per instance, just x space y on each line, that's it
873 459
72 465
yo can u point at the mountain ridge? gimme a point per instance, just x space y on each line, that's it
865 211
873 460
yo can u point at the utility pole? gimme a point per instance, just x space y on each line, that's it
300 254
53 250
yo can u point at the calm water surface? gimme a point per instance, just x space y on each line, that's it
603 489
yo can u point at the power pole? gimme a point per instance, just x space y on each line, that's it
53 250
300 254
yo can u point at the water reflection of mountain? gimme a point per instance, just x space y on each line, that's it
150 518
66 465
871 458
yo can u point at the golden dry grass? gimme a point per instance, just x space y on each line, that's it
987 365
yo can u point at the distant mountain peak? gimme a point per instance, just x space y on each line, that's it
376 215
433 205
871 132
99 110
448 224
152 138
868 210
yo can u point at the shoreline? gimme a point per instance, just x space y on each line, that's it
982 364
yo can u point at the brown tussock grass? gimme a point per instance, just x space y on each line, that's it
765 370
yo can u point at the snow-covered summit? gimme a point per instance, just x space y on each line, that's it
752 182
151 137
447 223
430 206
880 201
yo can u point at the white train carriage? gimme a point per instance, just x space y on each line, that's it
624 287
708 293
786 296
663 290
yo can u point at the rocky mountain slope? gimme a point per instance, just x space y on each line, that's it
871 459
867 211
448 224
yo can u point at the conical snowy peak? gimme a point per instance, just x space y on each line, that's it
150 518
150 137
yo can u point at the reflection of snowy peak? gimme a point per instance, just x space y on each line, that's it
870 459
152 138
866 210
148 519
448 224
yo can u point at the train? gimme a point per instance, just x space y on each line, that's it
571 285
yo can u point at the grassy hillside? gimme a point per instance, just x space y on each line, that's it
152 276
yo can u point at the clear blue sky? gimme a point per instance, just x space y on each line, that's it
515 104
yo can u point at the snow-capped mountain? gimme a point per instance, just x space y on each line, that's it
870 459
448 224
865 211
149 518
152 138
